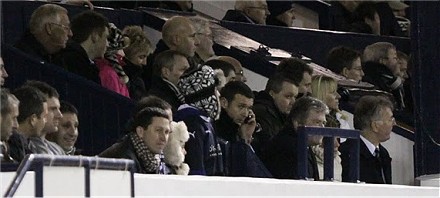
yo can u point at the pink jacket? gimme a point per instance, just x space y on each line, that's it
110 79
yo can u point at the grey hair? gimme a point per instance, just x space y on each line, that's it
377 51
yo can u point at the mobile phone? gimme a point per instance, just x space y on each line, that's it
248 119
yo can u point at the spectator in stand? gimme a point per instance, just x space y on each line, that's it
236 125
280 157
399 8
39 144
204 152
31 119
342 12
67 133
89 41
177 5
373 115
281 13
382 70
147 139
254 12
227 68
325 88
239 73
366 19
402 62
272 106
299 72
8 122
204 50
168 68
175 151
3 73
49 30
135 59
346 62
178 34
111 73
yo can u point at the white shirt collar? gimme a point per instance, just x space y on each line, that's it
369 145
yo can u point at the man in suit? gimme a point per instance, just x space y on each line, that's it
374 117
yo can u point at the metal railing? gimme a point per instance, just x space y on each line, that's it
328 141
38 161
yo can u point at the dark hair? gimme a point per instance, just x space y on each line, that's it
341 57
236 87
294 68
31 102
367 109
87 22
364 10
301 108
151 101
275 82
145 117
226 67
66 107
48 90
165 59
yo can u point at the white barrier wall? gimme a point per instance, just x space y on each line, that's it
173 185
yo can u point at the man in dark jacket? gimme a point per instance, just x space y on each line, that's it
236 126
280 155
148 137
272 107
8 122
254 12
382 70
49 30
168 67
374 117
89 42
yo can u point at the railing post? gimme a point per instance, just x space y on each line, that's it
302 155
38 169
329 145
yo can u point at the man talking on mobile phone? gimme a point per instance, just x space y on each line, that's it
236 126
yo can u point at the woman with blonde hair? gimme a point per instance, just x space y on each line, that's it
325 88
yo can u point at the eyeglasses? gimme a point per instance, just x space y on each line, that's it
65 27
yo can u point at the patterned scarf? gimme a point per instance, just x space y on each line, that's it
116 42
149 161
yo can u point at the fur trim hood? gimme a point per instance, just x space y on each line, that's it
173 152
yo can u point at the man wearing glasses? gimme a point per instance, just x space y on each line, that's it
49 30
254 12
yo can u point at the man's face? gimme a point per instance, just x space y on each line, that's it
355 73
67 131
53 116
61 32
403 68
286 97
230 77
40 121
3 73
305 86
155 136
258 12
238 109
315 119
180 66
384 125
9 122
101 43
187 41
391 61
205 42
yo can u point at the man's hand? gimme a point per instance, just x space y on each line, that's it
247 128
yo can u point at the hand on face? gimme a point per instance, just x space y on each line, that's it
247 128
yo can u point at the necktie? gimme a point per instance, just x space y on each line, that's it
377 155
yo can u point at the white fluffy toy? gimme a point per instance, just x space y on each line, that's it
174 152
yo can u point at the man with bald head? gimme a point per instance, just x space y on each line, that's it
3 73
49 30
254 12
239 74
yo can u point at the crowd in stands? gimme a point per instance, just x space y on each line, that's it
195 114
